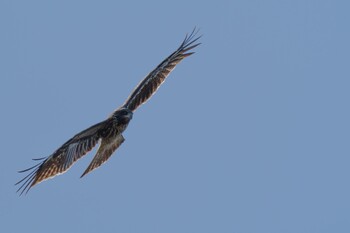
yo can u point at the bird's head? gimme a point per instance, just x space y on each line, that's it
123 115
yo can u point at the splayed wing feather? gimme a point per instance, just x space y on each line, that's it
149 85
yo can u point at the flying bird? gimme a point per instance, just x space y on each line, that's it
107 133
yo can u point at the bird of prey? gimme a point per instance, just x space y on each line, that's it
108 132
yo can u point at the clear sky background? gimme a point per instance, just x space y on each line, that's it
249 135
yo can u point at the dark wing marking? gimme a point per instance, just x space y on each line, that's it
106 149
63 158
149 85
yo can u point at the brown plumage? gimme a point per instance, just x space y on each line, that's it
108 132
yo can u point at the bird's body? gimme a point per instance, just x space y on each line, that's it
108 132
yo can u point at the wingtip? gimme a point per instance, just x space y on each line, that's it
24 189
29 180
190 39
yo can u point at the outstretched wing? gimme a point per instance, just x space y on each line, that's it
106 149
148 86
63 158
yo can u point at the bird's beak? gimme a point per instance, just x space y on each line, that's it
130 116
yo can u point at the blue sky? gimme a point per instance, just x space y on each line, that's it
250 134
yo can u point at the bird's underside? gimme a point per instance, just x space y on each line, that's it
107 133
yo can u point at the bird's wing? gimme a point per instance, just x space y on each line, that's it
148 86
63 158
106 149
